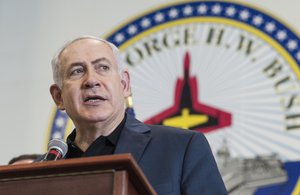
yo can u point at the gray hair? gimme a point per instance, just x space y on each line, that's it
56 63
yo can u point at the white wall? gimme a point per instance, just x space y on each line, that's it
30 33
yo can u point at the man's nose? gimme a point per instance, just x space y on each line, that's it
91 80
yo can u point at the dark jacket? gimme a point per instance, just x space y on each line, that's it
175 161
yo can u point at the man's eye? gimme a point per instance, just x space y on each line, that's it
77 71
104 67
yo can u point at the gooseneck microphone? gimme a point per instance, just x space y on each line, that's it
57 149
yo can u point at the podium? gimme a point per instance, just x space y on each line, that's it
104 175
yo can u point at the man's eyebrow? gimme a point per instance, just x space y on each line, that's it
100 60
76 64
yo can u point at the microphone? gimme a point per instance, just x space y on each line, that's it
57 149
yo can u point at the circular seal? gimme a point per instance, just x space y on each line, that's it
226 69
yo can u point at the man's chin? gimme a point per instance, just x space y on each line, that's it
96 119
99 117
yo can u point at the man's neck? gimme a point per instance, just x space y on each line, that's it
88 133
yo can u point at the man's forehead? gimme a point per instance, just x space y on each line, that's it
87 47
83 44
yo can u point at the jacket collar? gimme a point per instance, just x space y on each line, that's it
134 138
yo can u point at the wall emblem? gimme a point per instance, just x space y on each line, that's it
228 70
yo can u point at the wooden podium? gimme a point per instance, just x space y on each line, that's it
103 175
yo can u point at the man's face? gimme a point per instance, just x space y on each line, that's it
92 88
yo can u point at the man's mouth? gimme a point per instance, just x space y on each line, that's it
94 98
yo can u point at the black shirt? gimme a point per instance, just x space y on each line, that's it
101 146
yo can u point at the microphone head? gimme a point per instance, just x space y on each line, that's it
59 145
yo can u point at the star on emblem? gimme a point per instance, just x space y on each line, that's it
173 13
202 9
216 9
298 55
145 23
257 20
281 35
60 122
119 38
187 10
230 11
244 15
270 27
159 17
132 29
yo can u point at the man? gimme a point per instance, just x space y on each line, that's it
91 84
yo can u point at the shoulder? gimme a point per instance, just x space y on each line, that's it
177 135
165 133
167 130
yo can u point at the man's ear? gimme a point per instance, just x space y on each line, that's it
125 81
56 96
